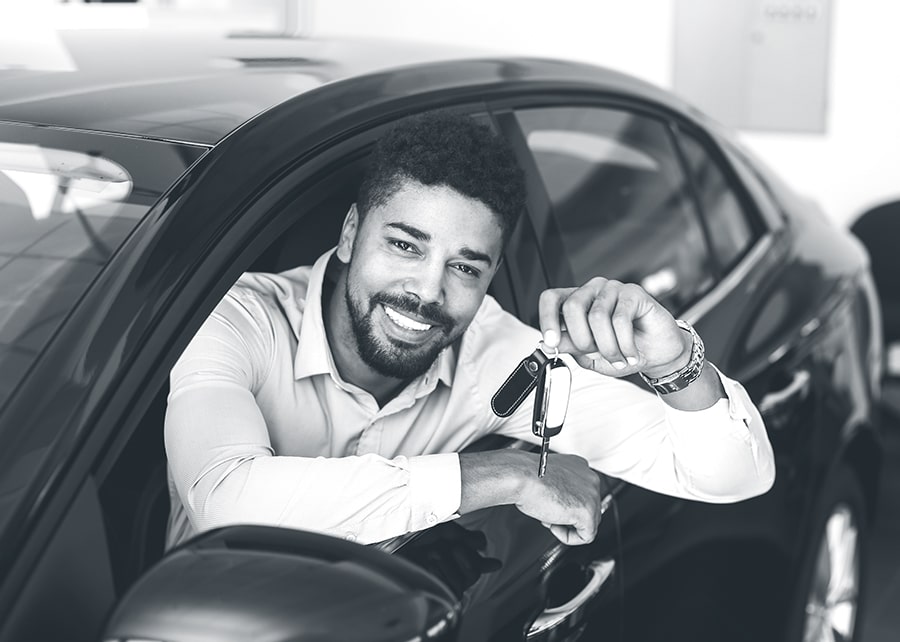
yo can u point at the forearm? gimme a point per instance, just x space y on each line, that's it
700 395
491 478
722 452
719 453
367 498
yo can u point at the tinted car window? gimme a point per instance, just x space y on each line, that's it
756 185
67 201
620 199
730 232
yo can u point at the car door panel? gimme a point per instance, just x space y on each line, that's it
69 592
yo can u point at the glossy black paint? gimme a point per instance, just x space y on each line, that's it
254 582
102 372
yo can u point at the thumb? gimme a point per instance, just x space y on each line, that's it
571 535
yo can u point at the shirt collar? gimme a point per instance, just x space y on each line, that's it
314 357
313 354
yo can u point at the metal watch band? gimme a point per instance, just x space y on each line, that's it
681 379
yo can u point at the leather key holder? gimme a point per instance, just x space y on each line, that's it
518 384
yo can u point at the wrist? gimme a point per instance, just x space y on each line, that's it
522 469
681 361
680 378
493 477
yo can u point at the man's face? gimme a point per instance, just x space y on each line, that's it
419 267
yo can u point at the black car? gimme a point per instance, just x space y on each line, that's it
133 195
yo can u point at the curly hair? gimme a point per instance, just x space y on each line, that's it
451 150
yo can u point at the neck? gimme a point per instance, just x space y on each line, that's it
347 360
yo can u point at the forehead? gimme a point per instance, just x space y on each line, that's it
447 216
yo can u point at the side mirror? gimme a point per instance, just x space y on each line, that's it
263 583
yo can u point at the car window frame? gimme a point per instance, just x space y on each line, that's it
272 223
539 208
749 208
276 221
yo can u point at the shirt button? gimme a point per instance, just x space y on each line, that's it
431 519
350 537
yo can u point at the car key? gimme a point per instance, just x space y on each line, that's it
551 401
545 370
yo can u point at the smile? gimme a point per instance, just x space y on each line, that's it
404 321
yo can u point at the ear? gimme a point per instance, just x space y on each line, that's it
348 235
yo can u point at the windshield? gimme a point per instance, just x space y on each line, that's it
67 202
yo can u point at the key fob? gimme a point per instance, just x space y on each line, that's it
519 383
552 398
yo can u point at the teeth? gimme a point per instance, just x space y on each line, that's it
404 321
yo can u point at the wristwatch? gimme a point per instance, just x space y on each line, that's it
682 378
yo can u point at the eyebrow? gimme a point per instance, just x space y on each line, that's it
414 232
421 235
473 255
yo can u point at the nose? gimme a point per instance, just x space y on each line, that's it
426 282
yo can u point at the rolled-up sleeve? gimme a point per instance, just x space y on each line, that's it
719 454
225 470
722 453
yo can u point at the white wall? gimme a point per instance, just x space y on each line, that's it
856 163
853 166
630 35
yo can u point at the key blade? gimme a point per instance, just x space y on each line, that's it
545 453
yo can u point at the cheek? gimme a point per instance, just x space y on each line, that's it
463 304
368 277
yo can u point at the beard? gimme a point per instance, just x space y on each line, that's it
391 357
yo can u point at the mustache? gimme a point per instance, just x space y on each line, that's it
431 312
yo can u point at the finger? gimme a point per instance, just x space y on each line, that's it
600 319
565 344
596 362
570 535
623 325
586 360
575 310
549 314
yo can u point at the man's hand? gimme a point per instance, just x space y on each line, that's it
613 328
566 500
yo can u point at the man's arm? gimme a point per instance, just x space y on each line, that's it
225 469
710 443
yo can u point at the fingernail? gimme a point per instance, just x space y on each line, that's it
551 338
618 365
632 361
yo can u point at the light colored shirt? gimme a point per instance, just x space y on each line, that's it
261 428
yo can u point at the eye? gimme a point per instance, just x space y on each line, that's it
404 246
468 270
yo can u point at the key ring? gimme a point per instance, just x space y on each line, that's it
545 350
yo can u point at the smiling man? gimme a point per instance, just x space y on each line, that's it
337 397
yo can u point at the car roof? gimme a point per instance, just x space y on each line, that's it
198 87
